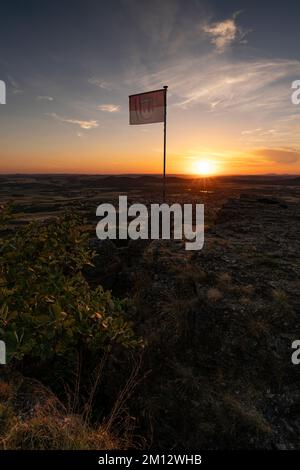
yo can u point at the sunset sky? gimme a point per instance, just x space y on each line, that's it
69 67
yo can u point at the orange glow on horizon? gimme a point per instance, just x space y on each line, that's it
204 163
204 168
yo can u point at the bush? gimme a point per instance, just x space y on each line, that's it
47 308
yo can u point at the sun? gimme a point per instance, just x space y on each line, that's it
204 167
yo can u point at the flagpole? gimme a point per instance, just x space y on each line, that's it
165 142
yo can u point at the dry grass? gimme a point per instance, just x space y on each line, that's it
191 272
247 290
244 417
214 294
5 391
32 417
224 280
258 327
281 304
47 429
245 301
279 297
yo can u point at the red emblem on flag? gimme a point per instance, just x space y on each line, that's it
147 108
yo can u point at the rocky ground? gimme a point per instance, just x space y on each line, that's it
218 326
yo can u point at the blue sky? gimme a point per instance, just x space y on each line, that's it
69 67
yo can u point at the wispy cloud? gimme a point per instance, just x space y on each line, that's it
16 89
108 108
224 33
251 131
251 97
279 155
44 98
220 84
83 124
100 83
259 132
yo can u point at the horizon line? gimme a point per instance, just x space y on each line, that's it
146 174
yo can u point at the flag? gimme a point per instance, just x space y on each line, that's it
146 108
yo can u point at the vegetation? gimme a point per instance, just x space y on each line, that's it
46 423
217 325
51 320
47 308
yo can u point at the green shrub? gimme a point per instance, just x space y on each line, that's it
47 308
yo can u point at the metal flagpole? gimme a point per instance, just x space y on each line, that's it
165 143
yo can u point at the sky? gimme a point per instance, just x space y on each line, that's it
70 65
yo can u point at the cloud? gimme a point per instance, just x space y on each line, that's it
109 108
251 97
246 94
87 124
99 83
225 33
219 84
44 98
259 132
16 89
251 131
279 155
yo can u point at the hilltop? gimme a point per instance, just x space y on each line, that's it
214 367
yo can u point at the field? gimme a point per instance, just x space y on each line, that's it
207 360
